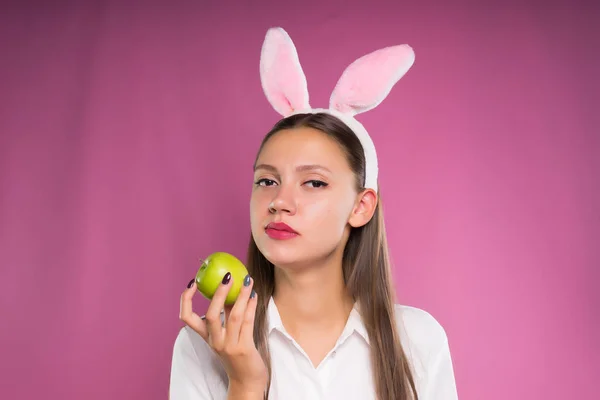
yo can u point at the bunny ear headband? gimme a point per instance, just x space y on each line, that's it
363 85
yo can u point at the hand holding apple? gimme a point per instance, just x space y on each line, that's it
232 341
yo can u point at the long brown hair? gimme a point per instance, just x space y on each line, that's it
366 271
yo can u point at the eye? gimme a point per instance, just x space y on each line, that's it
265 182
317 183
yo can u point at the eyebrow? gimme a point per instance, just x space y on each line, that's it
300 168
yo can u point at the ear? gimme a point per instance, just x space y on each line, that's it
364 208
368 80
282 78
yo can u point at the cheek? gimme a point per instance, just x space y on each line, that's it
258 207
327 218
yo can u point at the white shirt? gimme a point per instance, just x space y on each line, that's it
345 373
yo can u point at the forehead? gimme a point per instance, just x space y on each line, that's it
303 145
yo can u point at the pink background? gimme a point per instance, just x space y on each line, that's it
127 134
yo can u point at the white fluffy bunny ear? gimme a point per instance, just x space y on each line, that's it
282 78
368 80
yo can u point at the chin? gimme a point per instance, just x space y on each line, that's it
280 253
289 255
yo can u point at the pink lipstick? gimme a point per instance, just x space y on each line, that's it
280 231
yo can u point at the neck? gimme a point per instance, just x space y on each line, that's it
312 298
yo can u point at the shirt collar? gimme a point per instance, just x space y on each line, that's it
354 323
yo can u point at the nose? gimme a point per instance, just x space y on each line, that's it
283 202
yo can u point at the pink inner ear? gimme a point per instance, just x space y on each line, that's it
283 80
368 80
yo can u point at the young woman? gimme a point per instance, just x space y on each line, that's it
316 317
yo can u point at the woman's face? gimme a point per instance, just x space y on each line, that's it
302 179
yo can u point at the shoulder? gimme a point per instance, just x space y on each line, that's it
426 347
423 338
195 368
191 344
420 328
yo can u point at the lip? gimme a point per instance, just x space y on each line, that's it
280 231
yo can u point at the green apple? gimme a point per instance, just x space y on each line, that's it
213 269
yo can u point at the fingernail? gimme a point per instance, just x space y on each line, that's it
191 283
226 278
247 280
253 294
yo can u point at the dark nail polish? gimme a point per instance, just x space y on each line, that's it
247 280
191 283
226 278
253 294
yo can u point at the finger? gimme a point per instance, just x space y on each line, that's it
234 322
204 316
247 329
213 314
187 315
